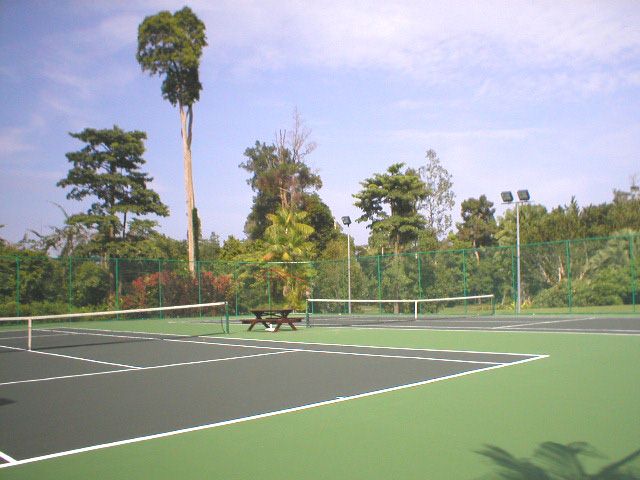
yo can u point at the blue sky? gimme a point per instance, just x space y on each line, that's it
541 95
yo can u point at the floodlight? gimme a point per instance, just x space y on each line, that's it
346 221
507 197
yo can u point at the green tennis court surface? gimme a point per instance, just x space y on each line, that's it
164 399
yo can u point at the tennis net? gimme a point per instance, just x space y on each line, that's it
327 312
42 331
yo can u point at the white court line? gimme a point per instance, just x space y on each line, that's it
259 416
39 352
337 352
138 369
543 323
7 458
467 322
534 331
118 334
602 331
380 347
397 356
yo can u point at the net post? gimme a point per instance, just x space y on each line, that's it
306 312
415 310
493 305
29 333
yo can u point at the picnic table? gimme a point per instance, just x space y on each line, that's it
270 316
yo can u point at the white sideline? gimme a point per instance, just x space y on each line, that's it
563 320
7 458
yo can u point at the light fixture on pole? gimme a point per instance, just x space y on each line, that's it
347 221
507 198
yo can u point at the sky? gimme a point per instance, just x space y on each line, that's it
540 95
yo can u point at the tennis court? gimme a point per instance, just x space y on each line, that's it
403 397
148 385
460 313
628 325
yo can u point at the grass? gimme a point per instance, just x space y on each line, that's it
587 390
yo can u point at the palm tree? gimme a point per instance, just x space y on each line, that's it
287 240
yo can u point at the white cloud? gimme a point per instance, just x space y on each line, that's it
519 45
20 139
428 40
13 140
426 136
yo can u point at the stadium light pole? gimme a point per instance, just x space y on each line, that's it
507 198
347 221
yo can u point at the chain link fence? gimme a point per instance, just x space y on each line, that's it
595 275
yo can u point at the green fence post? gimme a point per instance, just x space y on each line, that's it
17 286
634 273
464 279
226 318
569 287
117 283
69 284
269 285
160 286
306 312
237 286
514 281
419 259
379 267
199 279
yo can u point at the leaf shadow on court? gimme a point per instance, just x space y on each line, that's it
555 461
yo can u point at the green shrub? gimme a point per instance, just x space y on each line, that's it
91 284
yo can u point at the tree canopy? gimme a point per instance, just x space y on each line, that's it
478 223
280 178
440 200
171 45
107 169
390 201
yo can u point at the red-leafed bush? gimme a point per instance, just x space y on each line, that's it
176 288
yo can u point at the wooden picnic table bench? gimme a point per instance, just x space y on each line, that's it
276 316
